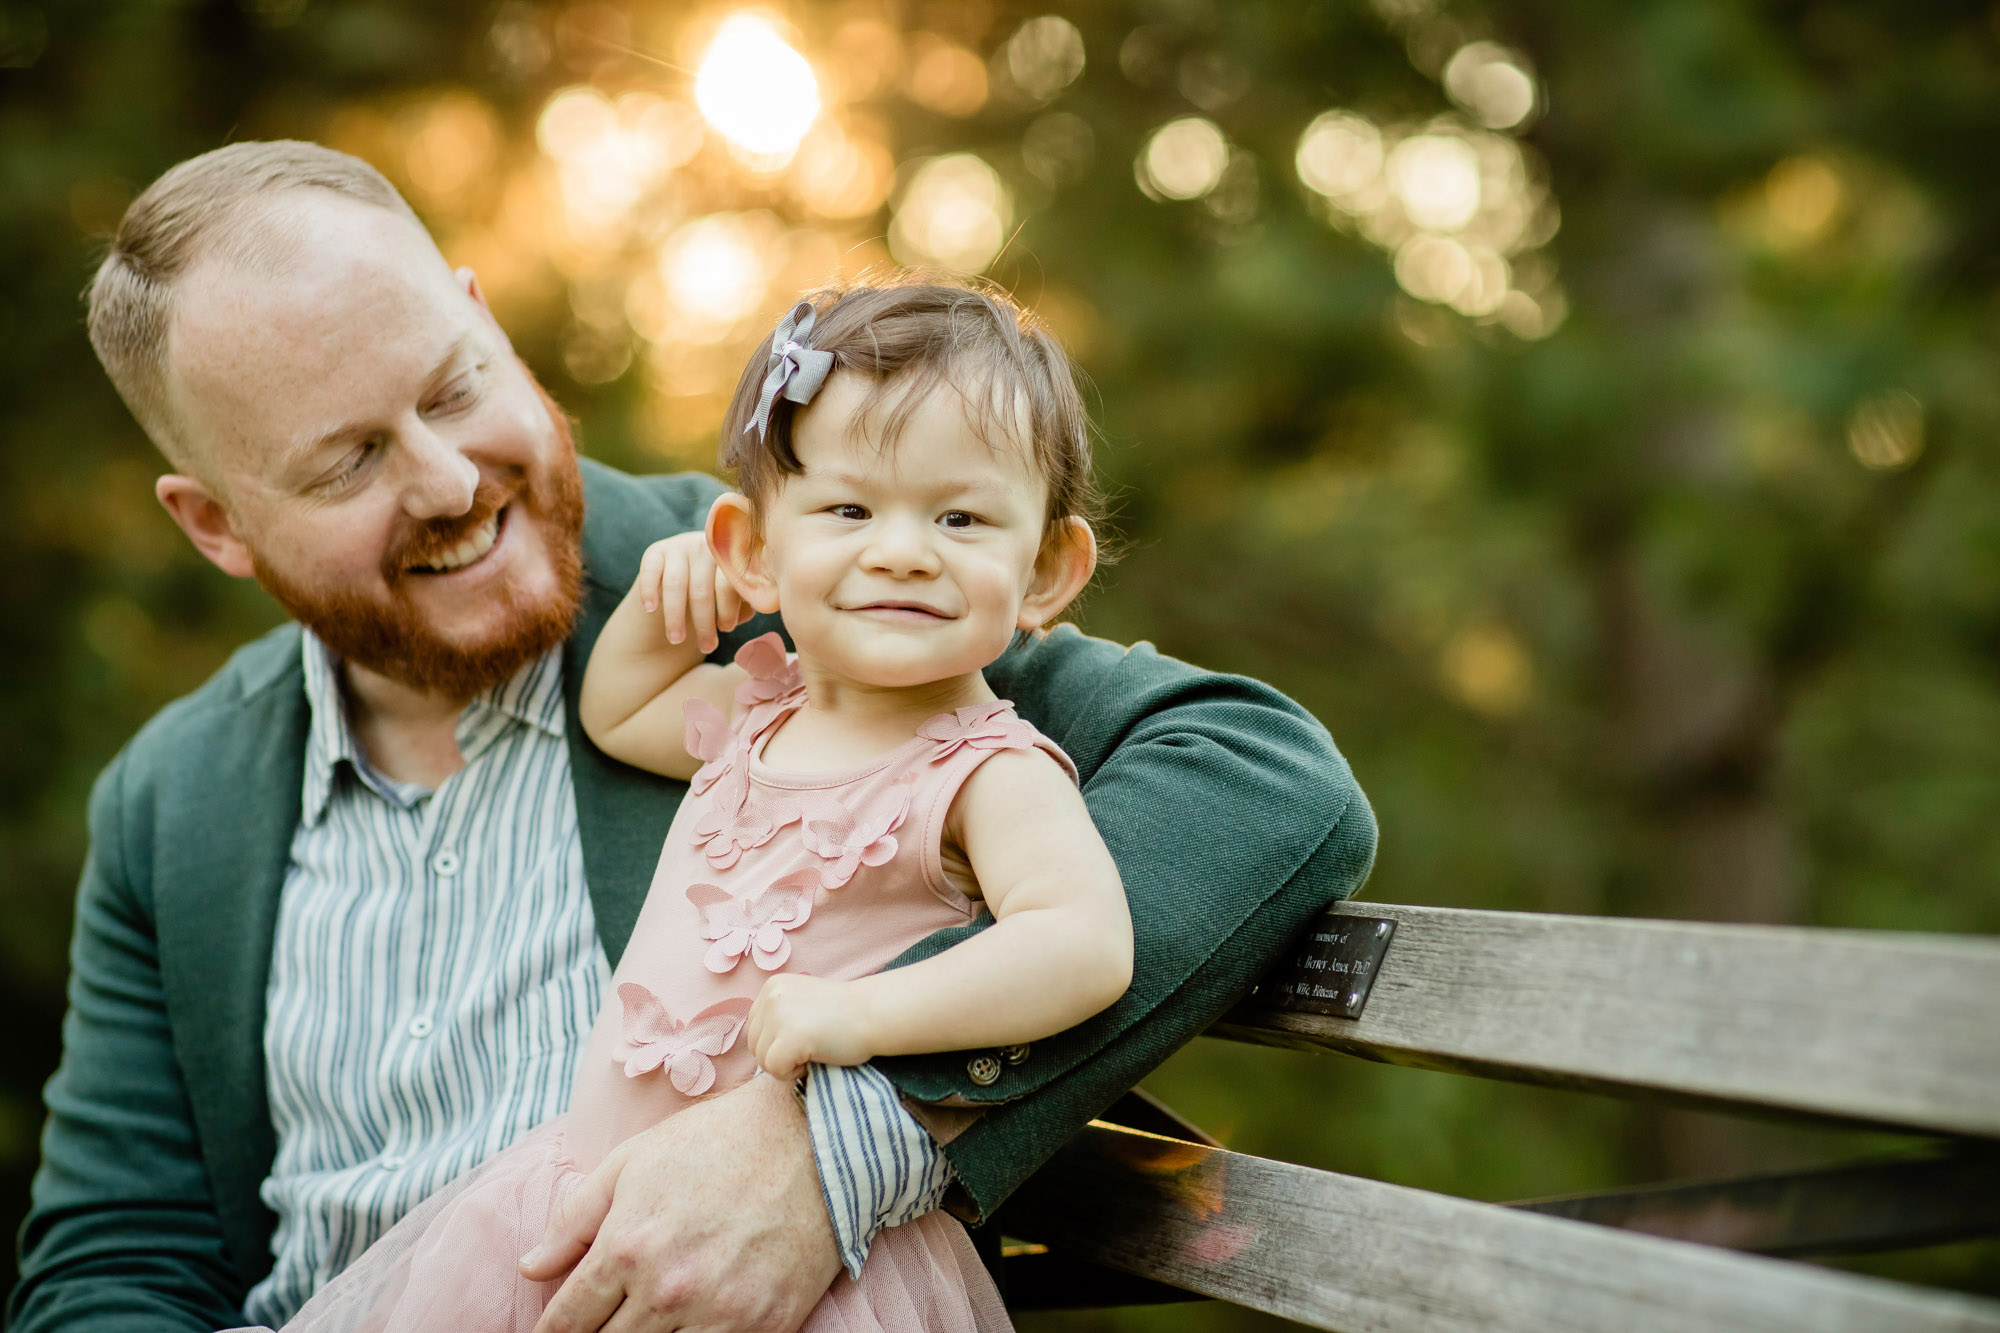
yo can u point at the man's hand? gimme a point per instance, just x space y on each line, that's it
711 1221
799 1020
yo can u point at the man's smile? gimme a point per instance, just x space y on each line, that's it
469 550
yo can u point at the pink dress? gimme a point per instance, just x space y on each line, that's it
832 874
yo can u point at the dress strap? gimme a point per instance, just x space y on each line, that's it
983 728
961 741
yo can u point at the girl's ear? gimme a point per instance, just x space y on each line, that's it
1061 571
738 547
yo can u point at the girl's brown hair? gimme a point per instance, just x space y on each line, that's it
910 336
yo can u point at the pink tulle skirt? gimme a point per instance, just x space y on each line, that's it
450 1264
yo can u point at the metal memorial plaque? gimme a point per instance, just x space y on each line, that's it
1333 968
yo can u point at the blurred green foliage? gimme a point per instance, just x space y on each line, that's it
1689 608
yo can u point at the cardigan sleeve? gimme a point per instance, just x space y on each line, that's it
122 1232
1233 820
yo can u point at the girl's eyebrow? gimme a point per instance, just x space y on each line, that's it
941 486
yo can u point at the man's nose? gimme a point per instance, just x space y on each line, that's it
900 545
440 482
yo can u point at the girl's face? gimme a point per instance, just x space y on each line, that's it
909 565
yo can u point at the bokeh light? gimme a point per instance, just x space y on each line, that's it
839 174
867 58
611 155
1044 56
1803 195
1486 668
1436 177
1454 205
954 215
1340 155
1886 432
1492 83
1057 147
453 143
945 77
755 89
714 275
1184 159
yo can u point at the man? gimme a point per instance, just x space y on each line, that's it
351 906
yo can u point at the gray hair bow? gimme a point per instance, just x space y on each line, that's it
795 370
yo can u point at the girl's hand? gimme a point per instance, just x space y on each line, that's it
679 579
799 1020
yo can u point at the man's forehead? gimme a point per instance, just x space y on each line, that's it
347 301
331 268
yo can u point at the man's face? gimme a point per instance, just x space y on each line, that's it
394 476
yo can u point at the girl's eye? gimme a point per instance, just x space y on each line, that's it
958 518
854 513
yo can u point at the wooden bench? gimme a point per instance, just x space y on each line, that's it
1888 1031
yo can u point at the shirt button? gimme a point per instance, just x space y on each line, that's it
421 1026
983 1070
1014 1055
445 862
393 1161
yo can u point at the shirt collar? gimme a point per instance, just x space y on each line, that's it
532 696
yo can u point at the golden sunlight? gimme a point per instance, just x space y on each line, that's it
714 273
955 214
757 91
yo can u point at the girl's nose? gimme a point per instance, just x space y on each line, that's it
900 545
440 482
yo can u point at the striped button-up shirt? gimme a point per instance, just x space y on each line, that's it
434 974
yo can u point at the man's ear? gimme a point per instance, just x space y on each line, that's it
470 282
738 547
1061 571
206 522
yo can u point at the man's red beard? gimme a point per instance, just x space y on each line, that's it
393 639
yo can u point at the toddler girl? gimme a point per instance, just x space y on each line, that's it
914 469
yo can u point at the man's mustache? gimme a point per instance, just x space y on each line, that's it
428 542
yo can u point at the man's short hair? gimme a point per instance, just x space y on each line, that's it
207 206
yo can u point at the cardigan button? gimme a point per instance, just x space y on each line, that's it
1014 1055
983 1070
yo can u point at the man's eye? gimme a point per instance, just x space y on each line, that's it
854 513
958 518
350 466
458 395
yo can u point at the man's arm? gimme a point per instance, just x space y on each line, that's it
1233 821
122 1233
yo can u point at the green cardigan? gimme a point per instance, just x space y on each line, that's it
1232 818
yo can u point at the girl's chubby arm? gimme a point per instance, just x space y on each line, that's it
1060 948
648 661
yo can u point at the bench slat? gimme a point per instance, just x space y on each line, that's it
1875 1028
1338 1252
1856 1208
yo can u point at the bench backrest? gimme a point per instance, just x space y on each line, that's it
1889 1030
